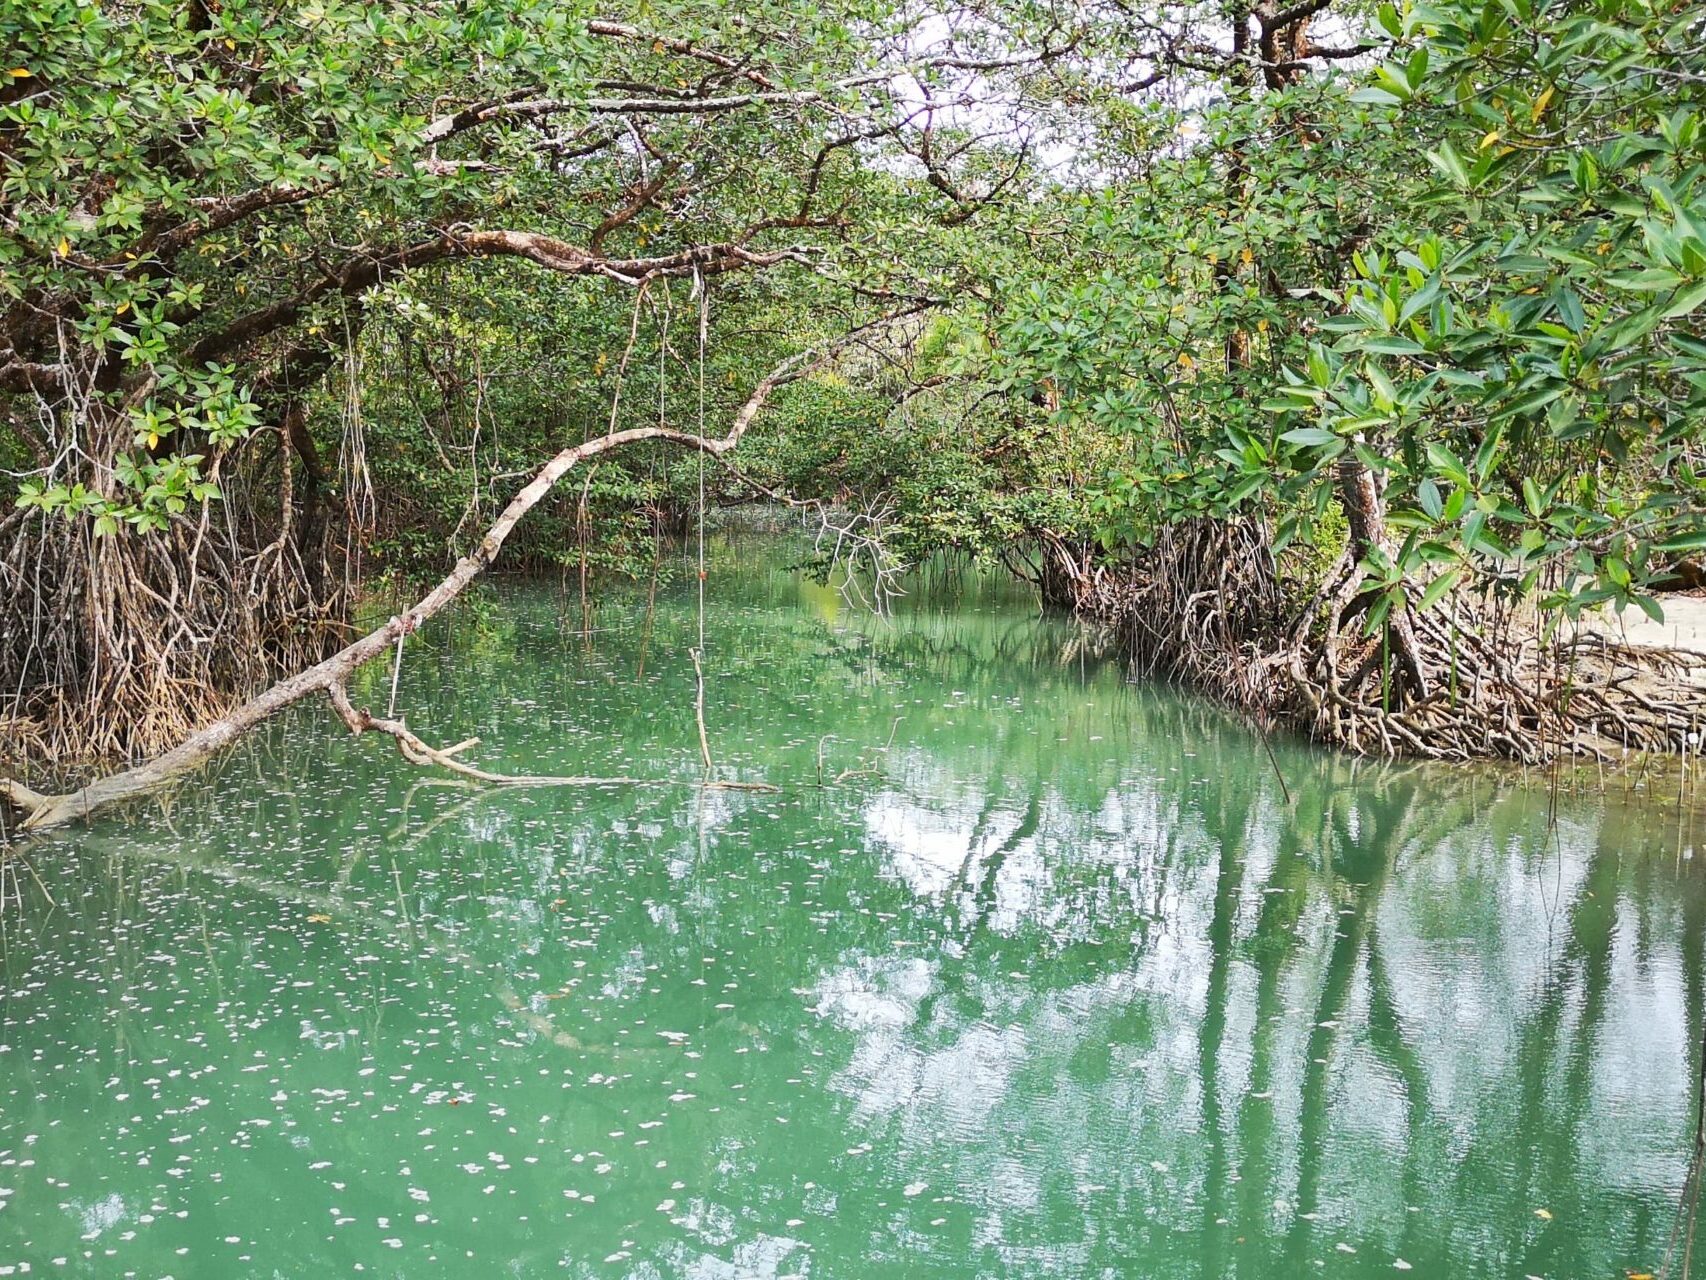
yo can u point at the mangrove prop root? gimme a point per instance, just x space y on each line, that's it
1470 678
120 646
330 676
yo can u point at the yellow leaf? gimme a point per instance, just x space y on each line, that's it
64 247
1543 101
1249 257
20 72
230 44
121 308
1186 360
153 440
1213 258
1545 1215
1489 140
1261 326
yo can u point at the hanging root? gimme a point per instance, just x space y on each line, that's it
1466 679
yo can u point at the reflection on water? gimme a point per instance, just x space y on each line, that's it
1053 983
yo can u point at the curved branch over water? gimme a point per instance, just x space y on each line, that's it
331 676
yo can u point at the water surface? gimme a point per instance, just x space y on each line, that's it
1025 971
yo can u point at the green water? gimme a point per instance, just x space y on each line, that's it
1056 985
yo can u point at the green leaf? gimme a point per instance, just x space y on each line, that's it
1447 461
1648 606
1448 162
1438 587
1312 437
1488 453
1427 493
1650 280
1686 301
1377 97
1245 487
1392 345
1530 401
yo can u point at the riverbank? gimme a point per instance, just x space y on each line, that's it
1683 627
1471 677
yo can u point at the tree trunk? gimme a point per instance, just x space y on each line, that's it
1360 494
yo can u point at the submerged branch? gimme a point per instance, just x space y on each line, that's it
417 751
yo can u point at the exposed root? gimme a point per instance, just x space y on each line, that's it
116 647
1469 678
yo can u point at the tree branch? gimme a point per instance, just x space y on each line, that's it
362 271
1271 22
622 31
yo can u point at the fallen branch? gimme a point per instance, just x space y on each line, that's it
331 676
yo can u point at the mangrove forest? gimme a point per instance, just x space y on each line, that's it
852 638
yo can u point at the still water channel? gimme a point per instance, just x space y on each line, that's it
1057 984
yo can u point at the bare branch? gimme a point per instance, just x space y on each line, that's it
622 31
